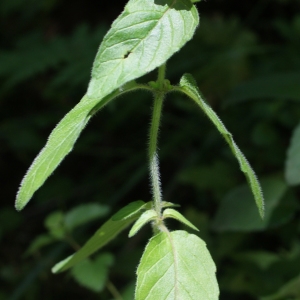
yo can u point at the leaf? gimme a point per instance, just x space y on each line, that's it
189 87
237 212
176 266
130 210
146 217
142 38
92 274
59 144
55 224
292 164
103 235
84 213
40 241
169 204
275 86
172 213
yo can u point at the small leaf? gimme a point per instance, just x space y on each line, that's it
292 165
83 214
169 204
103 235
176 266
40 241
146 217
130 209
55 224
189 87
238 213
92 274
172 213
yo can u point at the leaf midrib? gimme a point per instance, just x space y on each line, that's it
141 40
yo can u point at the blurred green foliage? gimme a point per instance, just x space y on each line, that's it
246 59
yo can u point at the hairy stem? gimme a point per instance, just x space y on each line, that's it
153 157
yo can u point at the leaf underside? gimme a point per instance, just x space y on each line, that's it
189 87
168 271
174 214
146 217
142 38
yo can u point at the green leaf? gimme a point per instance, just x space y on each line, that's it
189 87
292 165
83 214
59 144
55 224
92 274
238 213
142 38
103 235
176 266
130 210
169 204
40 241
146 217
172 213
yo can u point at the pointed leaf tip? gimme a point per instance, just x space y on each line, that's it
174 214
189 87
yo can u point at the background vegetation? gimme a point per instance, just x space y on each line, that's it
246 58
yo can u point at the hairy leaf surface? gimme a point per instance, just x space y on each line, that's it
146 217
142 38
176 266
174 214
189 87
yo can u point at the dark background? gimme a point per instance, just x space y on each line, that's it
246 58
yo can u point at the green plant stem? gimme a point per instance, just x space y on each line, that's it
153 157
113 290
161 75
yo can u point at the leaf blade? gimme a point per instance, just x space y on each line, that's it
101 237
189 87
146 217
59 144
174 214
141 39
168 270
